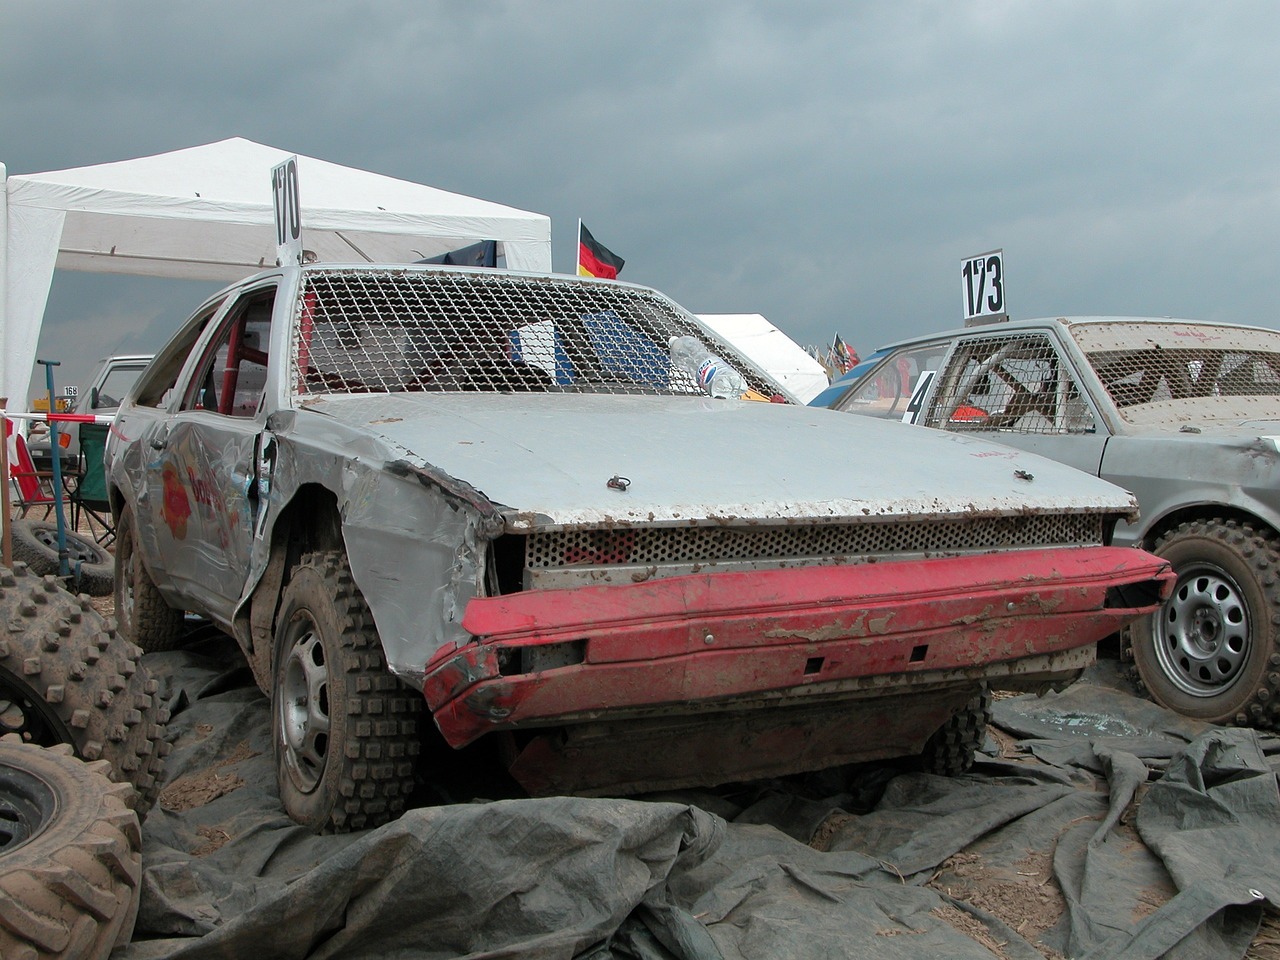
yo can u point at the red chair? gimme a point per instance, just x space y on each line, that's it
31 487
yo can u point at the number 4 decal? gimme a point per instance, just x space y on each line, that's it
912 414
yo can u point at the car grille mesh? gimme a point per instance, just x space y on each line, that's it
419 328
1017 384
664 545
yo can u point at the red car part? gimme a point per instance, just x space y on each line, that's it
722 639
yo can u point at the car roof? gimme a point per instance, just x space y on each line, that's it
1040 322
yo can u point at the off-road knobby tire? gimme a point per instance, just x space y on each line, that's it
67 676
143 616
1249 562
949 752
70 855
362 772
35 543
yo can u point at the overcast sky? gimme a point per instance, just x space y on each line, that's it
826 164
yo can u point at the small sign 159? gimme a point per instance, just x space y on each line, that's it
983 281
288 211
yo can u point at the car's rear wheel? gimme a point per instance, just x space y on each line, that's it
70 860
949 752
345 729
1210 651
143 616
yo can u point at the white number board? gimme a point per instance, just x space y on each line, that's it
288 211
916 403
982 278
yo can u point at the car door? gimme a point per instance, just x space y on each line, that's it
202 501
1020 389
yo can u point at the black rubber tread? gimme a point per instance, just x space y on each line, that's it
71 889
1256 700
949 752
35 543
67 676
143 616
374 735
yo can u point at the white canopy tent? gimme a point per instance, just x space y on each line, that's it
205 213
763 343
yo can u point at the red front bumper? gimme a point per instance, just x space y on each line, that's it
692 642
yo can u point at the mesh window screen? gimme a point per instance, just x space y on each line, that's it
389 330
1140 363
1016 383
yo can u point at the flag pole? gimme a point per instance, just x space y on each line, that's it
577 252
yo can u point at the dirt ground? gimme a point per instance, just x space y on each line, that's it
1028 900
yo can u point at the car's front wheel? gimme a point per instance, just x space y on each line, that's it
345 729
1210 652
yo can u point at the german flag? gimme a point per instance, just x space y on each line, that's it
595 260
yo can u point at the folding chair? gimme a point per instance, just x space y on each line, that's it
89 497
31 488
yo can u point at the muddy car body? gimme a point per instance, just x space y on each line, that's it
493 493
1186 415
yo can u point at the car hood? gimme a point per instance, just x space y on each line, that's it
552 459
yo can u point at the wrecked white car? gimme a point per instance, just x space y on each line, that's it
493 497
1184 413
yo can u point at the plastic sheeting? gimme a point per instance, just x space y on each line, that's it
869 861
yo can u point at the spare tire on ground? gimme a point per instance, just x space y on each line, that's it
70 855
66 676
92 567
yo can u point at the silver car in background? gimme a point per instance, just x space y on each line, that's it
1183 413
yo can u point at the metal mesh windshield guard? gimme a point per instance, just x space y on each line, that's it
1014 383
1151 362
393 329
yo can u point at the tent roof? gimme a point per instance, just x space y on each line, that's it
205 213
763 343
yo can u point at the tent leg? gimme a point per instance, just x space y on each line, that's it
6 542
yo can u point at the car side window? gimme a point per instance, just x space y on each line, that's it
157 384
233 373
114 387
887 391
1019 384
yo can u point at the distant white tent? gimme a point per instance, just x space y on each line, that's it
767 346
205 213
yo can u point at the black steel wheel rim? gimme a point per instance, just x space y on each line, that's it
27 805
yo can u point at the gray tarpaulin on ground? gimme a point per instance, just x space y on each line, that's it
871 861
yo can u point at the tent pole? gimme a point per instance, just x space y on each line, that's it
4 283
6 543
